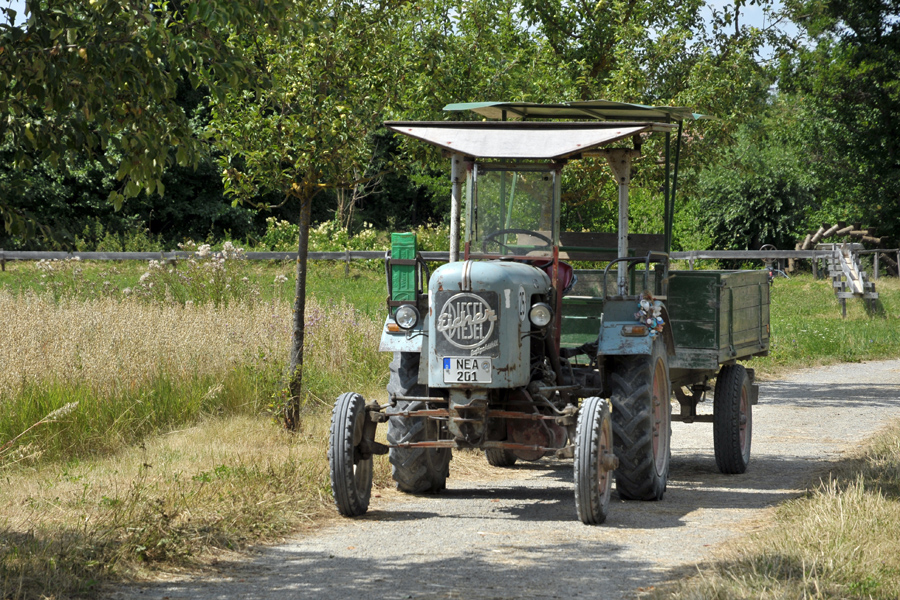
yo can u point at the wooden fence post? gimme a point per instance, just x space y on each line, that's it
876 266
2 261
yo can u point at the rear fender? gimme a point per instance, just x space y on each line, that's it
617 315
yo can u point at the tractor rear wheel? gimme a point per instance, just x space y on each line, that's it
416 470
641 418
499 457
732 420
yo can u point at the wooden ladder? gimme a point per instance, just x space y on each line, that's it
847 277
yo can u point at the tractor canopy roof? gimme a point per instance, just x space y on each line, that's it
517 140
605 110
515 133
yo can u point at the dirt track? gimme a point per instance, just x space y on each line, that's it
519 538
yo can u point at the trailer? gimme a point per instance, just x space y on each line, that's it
534 342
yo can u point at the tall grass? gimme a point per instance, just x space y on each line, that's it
136 368
327 281
133 429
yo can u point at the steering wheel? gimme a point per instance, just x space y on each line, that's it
516 251
512 250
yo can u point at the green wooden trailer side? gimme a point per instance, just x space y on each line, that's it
717 317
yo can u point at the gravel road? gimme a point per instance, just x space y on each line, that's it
519 538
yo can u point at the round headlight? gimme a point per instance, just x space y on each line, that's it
541 314
406 316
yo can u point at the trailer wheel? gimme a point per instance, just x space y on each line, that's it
594 461
641 419
732 420
500 457
416 470
351 475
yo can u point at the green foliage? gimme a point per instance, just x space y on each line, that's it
757 193
100 79
307 129
844 85
330 236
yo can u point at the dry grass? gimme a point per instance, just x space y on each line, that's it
840 541
119 345
105 489
171 503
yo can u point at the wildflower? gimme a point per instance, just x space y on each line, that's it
280 278
61 412
145 277
127 291
203 251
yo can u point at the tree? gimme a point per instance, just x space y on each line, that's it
758 191
329 85
845 85
99 79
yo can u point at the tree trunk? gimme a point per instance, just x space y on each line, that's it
295 373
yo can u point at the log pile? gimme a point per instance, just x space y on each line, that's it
866 235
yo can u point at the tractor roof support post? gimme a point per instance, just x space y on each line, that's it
620 163
671 219
456 174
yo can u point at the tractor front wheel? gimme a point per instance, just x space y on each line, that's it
641 418
594 461
416 470
351 474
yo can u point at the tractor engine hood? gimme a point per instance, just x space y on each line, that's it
478 323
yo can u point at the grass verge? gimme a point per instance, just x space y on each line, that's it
841 540
807 329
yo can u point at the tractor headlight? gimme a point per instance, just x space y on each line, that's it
406 316
541 314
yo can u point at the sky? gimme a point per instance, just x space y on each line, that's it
16 5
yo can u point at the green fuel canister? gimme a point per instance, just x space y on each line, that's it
403 277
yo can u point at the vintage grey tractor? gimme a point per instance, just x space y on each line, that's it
509 349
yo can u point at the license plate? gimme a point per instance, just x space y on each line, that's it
467 370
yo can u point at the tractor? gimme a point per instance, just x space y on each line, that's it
533 342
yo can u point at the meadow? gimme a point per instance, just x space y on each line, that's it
138 407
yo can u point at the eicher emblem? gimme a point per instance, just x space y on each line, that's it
466 321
